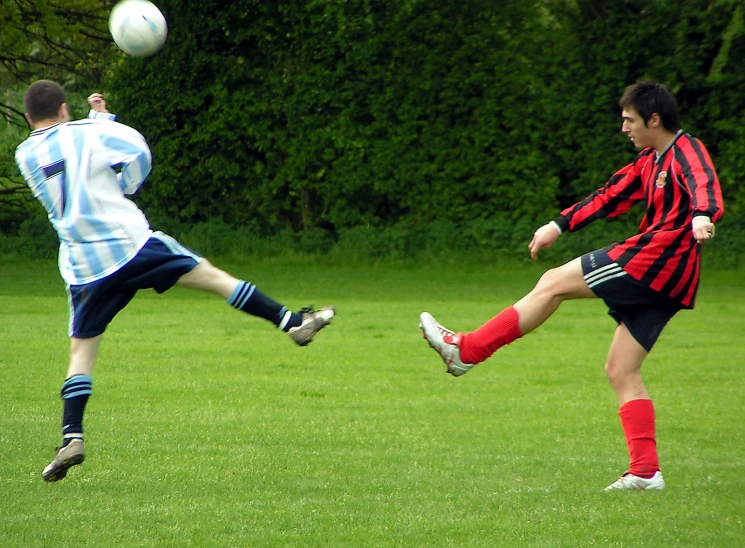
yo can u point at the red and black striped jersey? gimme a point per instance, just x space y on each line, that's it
675 186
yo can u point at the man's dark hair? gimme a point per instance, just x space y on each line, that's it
43 100
648 98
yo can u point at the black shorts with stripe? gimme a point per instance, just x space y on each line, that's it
644 311
158 265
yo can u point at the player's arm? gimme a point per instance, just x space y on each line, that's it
98 108
617 196
127 150
697 170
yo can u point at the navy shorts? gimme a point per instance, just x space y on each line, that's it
158 265
644 311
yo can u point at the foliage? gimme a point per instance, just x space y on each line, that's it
15 196
66 41
329 117
492 240
352 113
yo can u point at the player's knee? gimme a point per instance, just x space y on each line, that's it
618 372
612 372
549 285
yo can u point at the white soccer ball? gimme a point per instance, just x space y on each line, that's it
138 27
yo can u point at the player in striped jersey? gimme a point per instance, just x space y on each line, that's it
81 171
644 280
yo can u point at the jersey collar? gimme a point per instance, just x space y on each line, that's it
657 155
44 129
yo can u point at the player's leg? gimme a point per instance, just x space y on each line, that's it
92 307
207 277
623 366
245 296
636 411
554 287
78 386
462 351
639 326
76 390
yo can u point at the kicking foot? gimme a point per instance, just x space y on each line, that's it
446 343
313 322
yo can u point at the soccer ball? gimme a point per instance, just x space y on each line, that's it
138 27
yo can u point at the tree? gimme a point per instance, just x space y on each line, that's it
62 40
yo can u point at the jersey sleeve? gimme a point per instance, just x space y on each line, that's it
127 150
95 115
700 178
622 191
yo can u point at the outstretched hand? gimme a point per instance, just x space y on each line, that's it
542 238
97 102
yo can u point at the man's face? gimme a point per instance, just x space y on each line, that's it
634 127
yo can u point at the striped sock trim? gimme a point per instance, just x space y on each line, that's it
241 294
603 274
77 385
285 319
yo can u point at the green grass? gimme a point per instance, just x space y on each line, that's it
208 428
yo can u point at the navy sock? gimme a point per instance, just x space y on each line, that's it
250 300
75 393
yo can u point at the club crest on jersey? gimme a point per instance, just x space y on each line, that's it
661 179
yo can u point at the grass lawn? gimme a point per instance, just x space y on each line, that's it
208 428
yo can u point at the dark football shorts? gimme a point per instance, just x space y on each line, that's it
644 311
158 265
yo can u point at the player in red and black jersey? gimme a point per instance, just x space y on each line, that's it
644 280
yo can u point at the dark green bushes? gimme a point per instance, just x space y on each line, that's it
379 129
307 115
482 240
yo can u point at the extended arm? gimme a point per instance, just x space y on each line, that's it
129 151
617 196
126 148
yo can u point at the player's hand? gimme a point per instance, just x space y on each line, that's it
97 102
542 238
703 228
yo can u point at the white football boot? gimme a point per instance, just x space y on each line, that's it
631 482
446 343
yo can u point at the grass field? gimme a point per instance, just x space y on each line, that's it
208 428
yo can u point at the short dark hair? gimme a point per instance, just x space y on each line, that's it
43 100
648 98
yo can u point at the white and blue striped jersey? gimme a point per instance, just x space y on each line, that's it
80 171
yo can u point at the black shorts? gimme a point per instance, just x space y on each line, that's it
158 265
644 311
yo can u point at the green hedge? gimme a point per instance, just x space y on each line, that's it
481 240
304 115
302 121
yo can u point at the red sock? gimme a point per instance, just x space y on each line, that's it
502 329
637 421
